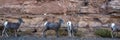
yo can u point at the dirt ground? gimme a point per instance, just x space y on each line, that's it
53 38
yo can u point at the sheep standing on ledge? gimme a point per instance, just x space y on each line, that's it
52 26
115 29
69 28
13 26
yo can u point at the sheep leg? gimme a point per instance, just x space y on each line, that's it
72 33
112 34
116 34
56 33
44 32
6 33
3 32
69 32
15 33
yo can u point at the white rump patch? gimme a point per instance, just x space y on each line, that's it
112 25
45 23
5 23
69 24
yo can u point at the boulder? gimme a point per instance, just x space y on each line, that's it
82 24
94 24
115 4
104 19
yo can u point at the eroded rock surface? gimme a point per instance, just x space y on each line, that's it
92 13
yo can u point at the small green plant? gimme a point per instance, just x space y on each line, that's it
78 34
62 32
103 32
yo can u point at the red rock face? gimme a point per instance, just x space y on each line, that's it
53 6
35 12
32 11
61 6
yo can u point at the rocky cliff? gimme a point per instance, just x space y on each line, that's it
92 13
